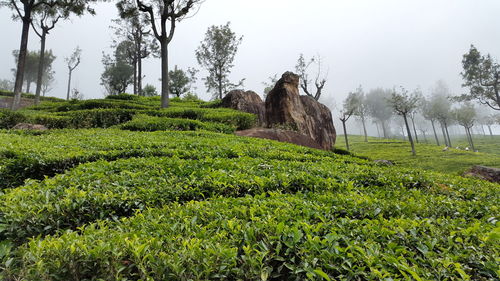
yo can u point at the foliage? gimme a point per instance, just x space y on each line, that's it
482 76
118 71
9 118
6 85
379 108
149 91
181 81
31 67
216 54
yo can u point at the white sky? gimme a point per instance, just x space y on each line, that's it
375 43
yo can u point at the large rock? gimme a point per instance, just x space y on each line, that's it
485 173
319 121
283 105
248 101
280 135
286 109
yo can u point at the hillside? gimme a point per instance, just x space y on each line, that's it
121 190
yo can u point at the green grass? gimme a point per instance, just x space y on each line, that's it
429 156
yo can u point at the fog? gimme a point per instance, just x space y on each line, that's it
381 43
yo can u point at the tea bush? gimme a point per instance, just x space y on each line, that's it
150 124
268 237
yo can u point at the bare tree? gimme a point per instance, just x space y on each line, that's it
72 62
349 107
171 11
302 69
404 104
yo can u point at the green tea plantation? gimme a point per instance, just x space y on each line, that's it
118 189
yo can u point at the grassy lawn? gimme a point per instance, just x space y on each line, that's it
429 156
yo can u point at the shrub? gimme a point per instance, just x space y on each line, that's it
98 118
9 118
122 97
147 123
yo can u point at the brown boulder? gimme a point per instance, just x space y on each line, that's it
319 121
27 126
248 101
286 109
485 173
280 135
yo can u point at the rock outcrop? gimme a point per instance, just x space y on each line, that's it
485 173
248 101
280 135
27 126
319 122
286 109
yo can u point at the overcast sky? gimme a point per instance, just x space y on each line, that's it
374 43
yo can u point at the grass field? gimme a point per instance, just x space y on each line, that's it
429 156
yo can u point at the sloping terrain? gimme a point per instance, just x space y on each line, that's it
153 199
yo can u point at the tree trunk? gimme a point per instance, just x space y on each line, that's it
447 135
364 129
384 130
409 136
69 83
41 63
28 86
139 76
135 77
414 129
220 86
425 136
467 136
345 134
435 134
164 73
378 131
444 135
489 128
21 60
482 129
471 142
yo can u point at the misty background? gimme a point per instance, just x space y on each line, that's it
383 43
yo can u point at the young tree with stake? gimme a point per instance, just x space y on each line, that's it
216 54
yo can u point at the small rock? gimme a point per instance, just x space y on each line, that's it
485 173
384 162
27 126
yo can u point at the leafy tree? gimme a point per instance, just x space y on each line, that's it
429 113
360 108
72 62
6 85
166 11
133 28
482 76
181 81
149 91
118 72
24 10
32 67
465 116
302 69
403 105
379 108
216 54
441 106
